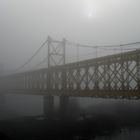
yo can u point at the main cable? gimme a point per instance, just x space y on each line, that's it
30 59
102 46
77 45
41 62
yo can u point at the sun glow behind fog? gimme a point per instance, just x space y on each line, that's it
91 8
98 8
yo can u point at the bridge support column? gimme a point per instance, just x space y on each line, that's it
48 106
2 102
64 100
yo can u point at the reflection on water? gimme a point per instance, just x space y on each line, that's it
104 119
126 134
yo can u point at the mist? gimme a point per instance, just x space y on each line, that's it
24 27
26 24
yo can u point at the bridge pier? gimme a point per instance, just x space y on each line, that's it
48 104
2 102
64 100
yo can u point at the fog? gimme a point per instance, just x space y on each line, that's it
24 25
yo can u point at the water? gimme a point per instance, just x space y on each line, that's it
126 134
21 105
123 115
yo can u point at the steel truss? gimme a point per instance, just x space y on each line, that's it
110 76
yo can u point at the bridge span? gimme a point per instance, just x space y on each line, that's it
109 76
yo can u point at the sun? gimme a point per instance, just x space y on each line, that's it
91 8
90 14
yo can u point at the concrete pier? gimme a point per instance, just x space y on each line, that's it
48 106
2 101
64 100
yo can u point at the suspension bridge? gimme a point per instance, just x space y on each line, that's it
114 75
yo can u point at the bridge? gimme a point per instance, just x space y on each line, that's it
110 76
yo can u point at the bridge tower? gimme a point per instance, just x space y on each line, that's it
56 56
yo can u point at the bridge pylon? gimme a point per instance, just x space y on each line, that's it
56 56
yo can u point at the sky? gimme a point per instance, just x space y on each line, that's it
25 24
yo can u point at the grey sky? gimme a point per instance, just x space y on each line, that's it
25 24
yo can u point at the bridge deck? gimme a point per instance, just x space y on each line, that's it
110 76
